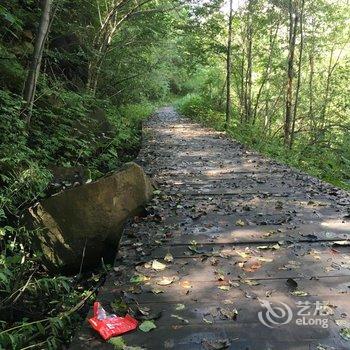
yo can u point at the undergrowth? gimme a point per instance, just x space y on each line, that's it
39 310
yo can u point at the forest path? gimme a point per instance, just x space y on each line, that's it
243 230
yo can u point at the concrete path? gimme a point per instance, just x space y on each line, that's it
256 254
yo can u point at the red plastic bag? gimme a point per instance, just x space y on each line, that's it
111 325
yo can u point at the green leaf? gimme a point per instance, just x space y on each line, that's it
345 333
117 342
138 279
147 326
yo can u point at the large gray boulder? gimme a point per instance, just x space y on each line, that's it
85 223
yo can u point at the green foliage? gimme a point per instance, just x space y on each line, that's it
153 56
11 20
320 143
11 71
322 162
69 128
22 178
62 133
197 108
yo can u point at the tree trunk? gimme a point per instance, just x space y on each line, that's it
248 95
273 38
301 48
293 22
311 85
229 69
326 93
242 88
34 69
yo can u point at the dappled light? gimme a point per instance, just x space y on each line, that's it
225 244
178 168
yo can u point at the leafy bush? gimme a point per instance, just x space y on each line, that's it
38 309
195 107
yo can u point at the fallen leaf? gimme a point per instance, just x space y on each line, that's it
193 249
299 293
250 282
228 302
208 321
165 281
265 259
229 314
268 293
315 254
324 347
253 267
147 326
240 223
144 310
291 265
139 279
186 284
233 284
343 323
180 319
250 295
216 344
180 307
263 247
169 344
214 261
119 307
221 277
117 342
157 291
224 288
243 255
345 333
169 258
341 243
148 265
156 265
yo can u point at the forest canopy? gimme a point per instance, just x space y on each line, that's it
273 74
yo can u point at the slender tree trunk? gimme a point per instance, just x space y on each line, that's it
293 22
221 100
266 73
242 88
34 69
311 85
248 95
301 48
229 69
327 91
331 67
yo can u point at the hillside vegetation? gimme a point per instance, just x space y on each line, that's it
77 78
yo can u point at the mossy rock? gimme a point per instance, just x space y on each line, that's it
85 223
